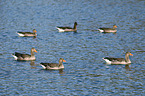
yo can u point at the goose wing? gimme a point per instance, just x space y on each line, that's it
64 27
115 59
22 55
50 64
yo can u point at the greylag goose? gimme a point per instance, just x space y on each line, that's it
27 33
19 56
53 65
110 60
108 30
67 29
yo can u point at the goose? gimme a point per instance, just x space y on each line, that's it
27 33
67 29
20 56
54 65
110 60
108 30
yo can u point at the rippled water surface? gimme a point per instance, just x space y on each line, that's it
85 71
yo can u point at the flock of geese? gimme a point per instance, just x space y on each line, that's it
109 60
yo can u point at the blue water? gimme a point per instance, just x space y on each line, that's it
85 73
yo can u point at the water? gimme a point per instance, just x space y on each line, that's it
85 71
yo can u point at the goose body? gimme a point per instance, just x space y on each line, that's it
53 65
27 33
108 30
68 29
126 60
20 56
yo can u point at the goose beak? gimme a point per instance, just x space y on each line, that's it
34 31
64 60
35 51
131 54
116 26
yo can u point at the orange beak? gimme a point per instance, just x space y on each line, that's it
116 26
35 51
34 31
64 60
131 54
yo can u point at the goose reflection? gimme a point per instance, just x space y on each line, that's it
61 71
34 37
33 65
127 67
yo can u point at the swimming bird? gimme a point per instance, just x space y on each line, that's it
108 30
110 60
27 33
20 56
53 65
67 29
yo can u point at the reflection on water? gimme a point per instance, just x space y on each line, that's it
33 65
127 67
28 37
61 71
108 33
34 37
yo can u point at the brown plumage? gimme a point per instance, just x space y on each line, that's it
27 33
126 60
20 56
67 29
108 30
53 65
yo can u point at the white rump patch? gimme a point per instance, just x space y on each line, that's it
101 30
20 34
43 66
15 57
107 61
60 30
